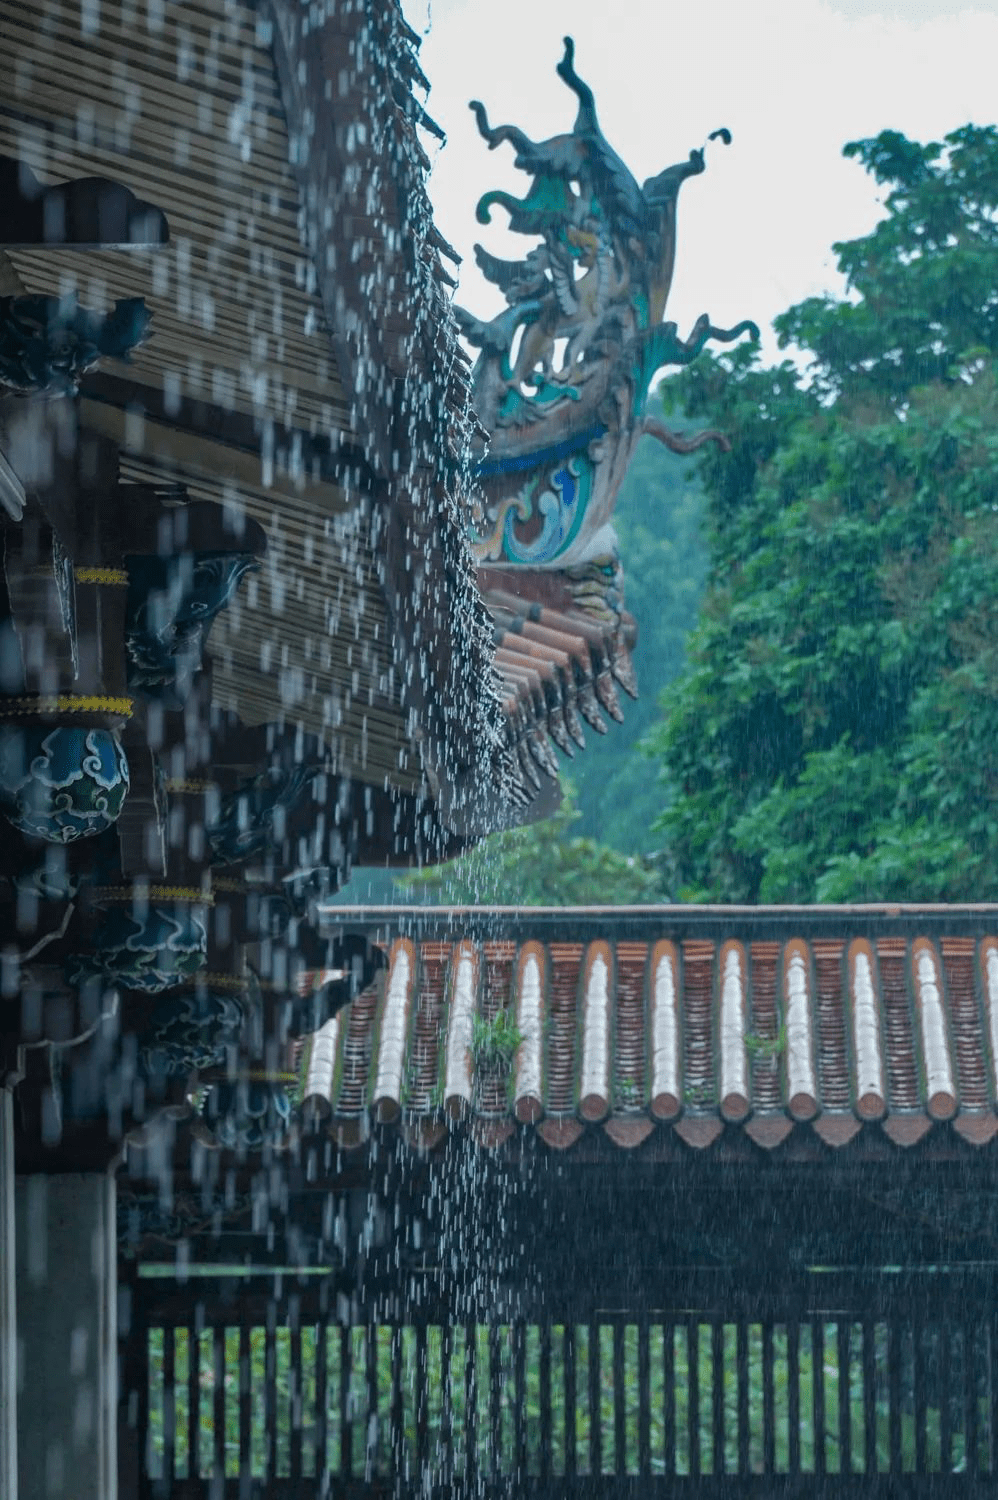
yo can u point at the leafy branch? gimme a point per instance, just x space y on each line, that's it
494 1044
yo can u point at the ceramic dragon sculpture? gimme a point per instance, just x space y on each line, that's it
563 373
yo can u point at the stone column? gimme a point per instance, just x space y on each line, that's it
8 1306
67 1336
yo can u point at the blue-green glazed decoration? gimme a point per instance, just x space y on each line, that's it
63 783
251 819
171 604
246 1114
146 1214
154 950
192 1030
50 880
47 344
563 373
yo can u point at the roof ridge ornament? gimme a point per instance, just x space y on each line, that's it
563 372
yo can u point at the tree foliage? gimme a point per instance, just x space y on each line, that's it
658 517
545 864
835 736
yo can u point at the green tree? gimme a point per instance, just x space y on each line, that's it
658 519
545 864
835 736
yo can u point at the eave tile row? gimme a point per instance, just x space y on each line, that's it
693 1036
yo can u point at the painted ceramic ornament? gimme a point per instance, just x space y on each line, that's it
61 784
186 1213
251 819
47 344
171 604
152 951
247 1114
50 880
191 1031
563 373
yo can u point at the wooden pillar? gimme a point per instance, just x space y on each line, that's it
66 1268
8 1306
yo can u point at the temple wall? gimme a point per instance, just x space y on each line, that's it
67 1336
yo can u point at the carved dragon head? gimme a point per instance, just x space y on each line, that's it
562 374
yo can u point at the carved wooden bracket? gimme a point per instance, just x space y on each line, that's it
90 213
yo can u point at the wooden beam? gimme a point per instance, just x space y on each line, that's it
137 431
339 463
8 1303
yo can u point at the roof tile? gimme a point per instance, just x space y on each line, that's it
529 1078
597 1000
964 1006
644 1036
666 1085
799 1002
559 665
831 1050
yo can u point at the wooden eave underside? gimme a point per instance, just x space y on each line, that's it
332 673
157 100
233 293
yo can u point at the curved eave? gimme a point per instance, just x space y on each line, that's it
836 1026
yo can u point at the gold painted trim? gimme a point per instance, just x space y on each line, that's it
187 894
68 703
118 577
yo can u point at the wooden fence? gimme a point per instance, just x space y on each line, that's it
876 1385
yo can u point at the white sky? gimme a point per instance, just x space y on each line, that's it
792 79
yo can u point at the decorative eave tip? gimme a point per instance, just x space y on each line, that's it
563 373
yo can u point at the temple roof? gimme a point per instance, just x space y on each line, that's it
559 666
301 365
831 1025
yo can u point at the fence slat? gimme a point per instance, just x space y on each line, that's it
895 1346
371 1426
495 1399
693 1393
245 1374
571 1410
519 1400
297 1394
869 1332
346 1414
793 1396
169 1405
595 1404
218 1401
818 1382
544 1374
471 1404
717 1392
193 1403
742 1381
845 1407
991 1391
141 1330
397 1408
321 1401
669 1396
768 1401
644 1400
619 1401
447 1405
